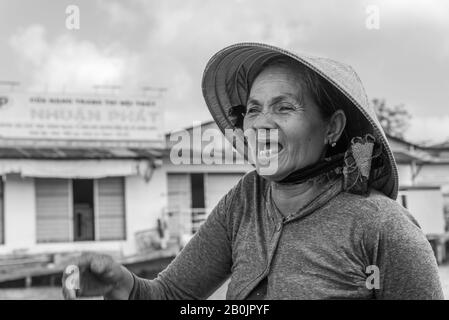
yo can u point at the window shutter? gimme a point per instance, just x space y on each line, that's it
53 216
111 209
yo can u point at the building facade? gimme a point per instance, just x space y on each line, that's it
109 192
79 173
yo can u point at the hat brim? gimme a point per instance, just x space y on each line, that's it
222 90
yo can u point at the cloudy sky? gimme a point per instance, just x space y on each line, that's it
168 43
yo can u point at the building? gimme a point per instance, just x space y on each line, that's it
424 186
195 185
79 172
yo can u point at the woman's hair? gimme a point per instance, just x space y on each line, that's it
328 98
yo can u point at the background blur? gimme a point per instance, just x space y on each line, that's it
90 90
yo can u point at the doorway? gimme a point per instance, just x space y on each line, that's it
198 211
83 210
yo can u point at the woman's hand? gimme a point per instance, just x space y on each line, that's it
95 274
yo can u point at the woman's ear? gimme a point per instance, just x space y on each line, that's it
336 125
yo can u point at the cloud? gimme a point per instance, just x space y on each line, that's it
67 63
433 12
120 15
168 43
30 44
184 35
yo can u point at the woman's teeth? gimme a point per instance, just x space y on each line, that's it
267 151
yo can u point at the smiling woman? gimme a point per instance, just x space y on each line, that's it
316 226
300 87
304 127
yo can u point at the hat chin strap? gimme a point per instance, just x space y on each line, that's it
312 171
354 164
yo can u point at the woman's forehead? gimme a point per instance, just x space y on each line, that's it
278 79
291 72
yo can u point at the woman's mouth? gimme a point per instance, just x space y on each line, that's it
268 150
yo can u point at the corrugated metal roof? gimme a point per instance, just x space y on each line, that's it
78 153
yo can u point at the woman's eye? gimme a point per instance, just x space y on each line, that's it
286 107
251 110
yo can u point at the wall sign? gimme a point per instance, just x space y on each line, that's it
75 120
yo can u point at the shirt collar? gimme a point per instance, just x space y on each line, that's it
327 192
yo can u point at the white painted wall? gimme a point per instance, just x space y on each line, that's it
433 174
405 174
20 216
426 205
145 202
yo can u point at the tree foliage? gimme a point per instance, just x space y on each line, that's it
394 120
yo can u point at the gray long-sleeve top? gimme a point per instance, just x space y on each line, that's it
333 248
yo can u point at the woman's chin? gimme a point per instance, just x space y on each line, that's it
271 175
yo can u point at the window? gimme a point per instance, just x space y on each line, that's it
111 209
80 210
83 210
53 210
194 195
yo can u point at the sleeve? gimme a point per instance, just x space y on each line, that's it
201 266
405 261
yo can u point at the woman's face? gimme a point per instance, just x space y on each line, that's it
276 101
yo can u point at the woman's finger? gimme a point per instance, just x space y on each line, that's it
70 281
69 294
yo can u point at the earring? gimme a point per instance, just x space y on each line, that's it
332 144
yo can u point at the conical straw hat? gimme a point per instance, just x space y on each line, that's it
225 85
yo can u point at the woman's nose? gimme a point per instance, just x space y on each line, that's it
264 121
